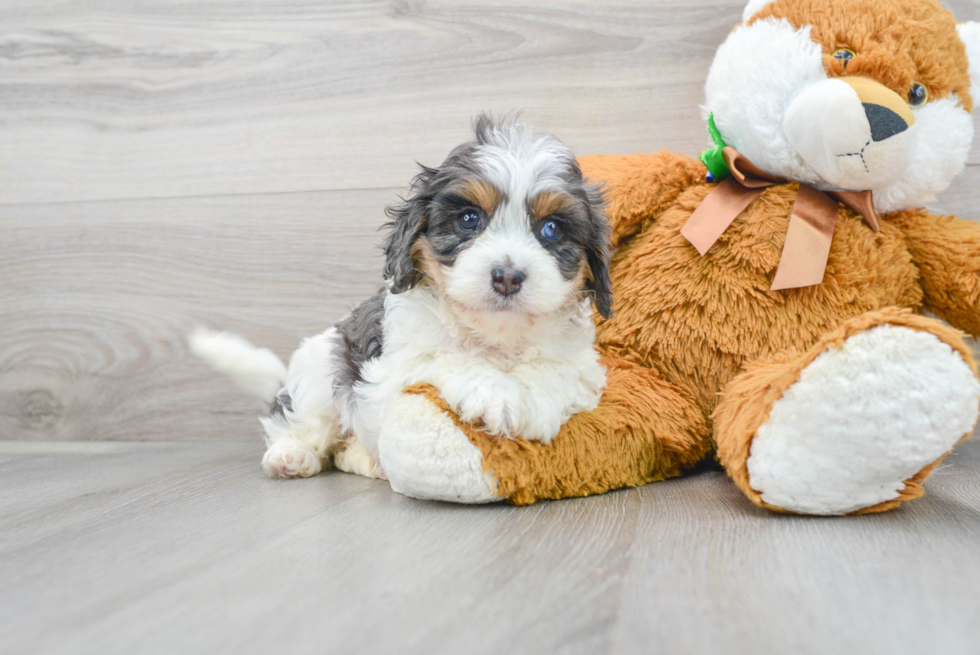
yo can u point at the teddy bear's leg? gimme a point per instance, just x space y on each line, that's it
644 429
856 423
425 454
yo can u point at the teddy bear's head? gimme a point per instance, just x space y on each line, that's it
851 95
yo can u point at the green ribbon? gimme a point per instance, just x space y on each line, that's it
712 157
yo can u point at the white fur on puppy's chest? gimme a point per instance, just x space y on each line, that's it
525 388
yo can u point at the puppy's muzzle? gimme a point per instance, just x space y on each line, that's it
507 280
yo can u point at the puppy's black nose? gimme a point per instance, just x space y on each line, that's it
507 280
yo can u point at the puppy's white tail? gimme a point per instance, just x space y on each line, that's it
254 370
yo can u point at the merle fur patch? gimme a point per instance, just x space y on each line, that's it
361 340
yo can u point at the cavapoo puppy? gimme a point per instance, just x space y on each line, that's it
492 266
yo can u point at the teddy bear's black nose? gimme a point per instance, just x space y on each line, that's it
883 121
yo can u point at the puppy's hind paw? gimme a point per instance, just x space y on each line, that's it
291 458
355 458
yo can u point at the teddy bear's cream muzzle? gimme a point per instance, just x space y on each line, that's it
853 132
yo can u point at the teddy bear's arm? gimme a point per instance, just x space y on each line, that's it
947 253
644 429
640 187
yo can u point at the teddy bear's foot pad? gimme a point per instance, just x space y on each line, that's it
425 455
861 420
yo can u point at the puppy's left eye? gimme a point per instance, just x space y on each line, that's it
468 221
551 230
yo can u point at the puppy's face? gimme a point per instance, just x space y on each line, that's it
506 229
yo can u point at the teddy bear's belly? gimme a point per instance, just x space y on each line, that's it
700 320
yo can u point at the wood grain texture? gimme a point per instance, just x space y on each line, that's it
152 99
164 164
96 300
187 548
138 99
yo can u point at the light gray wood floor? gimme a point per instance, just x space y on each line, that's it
171 163
187 548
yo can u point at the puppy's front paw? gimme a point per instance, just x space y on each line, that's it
290 458
542 418
498 417
493 401
505 407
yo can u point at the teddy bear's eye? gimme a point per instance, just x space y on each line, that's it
845 55
918 95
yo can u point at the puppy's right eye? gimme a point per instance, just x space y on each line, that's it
468 221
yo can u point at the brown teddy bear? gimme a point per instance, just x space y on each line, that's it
769 296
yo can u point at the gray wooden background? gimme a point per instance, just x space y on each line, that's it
165 164
169 163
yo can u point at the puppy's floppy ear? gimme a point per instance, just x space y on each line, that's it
408 221
597 253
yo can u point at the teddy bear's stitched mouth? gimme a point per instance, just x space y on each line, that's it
859 154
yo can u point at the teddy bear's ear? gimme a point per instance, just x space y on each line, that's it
753 8
970 36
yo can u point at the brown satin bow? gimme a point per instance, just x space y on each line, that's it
811 222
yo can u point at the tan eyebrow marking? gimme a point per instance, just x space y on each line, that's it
549 202
483 194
